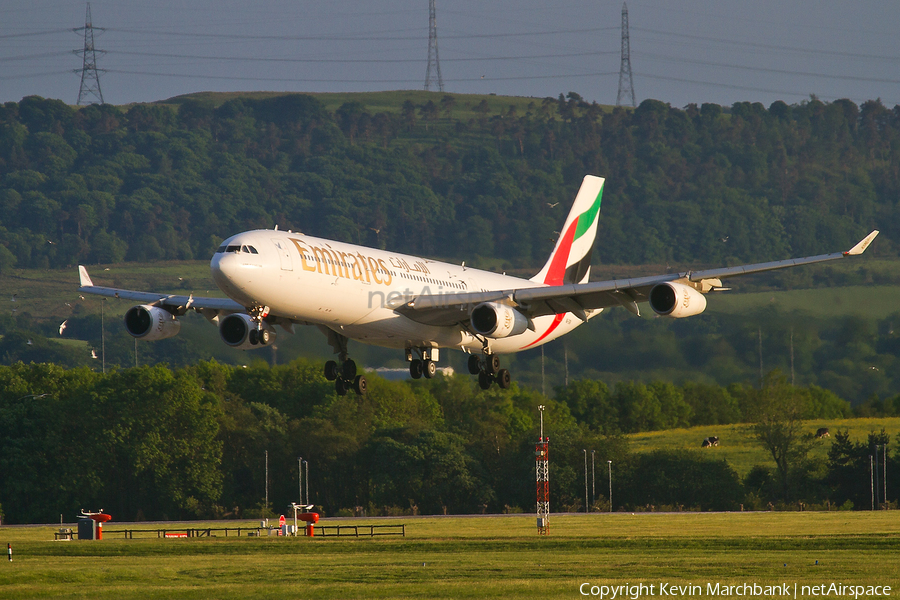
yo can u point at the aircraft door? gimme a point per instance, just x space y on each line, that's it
284 254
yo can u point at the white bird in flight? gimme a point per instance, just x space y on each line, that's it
62 326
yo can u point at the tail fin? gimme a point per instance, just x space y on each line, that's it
570 261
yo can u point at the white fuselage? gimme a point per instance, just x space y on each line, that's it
354 290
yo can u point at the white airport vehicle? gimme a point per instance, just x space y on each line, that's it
284 278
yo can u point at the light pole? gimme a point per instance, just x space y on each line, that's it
872 481
586 506
610 486
300 478
103 335
593 479
306 477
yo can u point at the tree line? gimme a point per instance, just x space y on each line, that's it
853 357
711 184
154 443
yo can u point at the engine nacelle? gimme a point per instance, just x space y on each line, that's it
497 320
239 331
151 323
676 300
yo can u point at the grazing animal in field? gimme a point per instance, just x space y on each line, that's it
822 432
710 442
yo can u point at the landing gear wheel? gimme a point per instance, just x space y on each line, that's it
491 364
485 380
429 369
504 379
331 370
415 368
340 387
264 336
253 337
348 370
360 385
474 364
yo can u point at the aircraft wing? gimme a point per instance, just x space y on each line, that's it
178 302
578 299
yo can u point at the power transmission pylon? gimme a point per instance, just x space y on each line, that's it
89 92
434 62
626 84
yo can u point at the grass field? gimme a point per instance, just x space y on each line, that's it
468 557
869 302
737 446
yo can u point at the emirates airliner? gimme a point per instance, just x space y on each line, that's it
284 278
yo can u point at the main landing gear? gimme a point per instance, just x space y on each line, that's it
425 366
342 372
488 370
345 378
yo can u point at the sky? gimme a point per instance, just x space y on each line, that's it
682 52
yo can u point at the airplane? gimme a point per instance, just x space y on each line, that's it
285 278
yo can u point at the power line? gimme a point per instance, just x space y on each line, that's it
34 75
310 80
346 60
767 70
769 46
350 38
35 33
719 84
33 56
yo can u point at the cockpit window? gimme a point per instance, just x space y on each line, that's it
236 248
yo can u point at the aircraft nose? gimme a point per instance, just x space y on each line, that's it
224 268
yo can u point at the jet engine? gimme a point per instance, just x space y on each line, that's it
239 331
497 320
676 300
151 323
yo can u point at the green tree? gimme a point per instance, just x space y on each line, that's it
776 413
672 480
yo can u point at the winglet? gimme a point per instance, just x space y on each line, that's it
862 245
85 278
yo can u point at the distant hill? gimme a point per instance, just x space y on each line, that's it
487 179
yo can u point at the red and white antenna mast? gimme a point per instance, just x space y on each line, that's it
542 479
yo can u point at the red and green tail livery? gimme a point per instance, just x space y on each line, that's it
570 261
